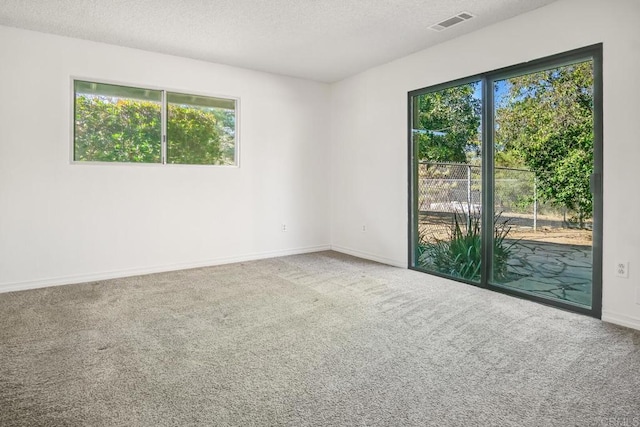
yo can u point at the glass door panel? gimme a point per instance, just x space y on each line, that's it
446 143
543 168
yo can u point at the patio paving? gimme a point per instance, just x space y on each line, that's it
559 271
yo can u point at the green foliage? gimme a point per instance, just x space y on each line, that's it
226 123
121 131
127 130
448 122
547 122
460 254
192 137
513 190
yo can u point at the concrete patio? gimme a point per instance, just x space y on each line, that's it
559 271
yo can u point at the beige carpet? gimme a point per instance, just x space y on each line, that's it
310 340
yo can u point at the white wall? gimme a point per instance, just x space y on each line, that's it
369 136
63 222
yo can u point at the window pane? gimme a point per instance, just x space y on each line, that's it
200 130
117 123
544 145
447 148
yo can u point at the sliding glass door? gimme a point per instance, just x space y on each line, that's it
446 138
523 216
543 176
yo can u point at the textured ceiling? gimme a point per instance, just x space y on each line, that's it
324 40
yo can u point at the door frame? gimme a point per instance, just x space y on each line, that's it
593 53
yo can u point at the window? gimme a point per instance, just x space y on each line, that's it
114 123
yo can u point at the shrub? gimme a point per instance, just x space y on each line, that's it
461 254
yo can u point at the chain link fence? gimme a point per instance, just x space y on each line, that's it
446 189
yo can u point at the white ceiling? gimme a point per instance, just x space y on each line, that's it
324 40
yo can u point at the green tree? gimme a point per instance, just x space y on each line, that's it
447 124
192 136
546 122
126 130
120 131
226 121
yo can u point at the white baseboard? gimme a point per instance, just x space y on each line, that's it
369 256
621 319
83 278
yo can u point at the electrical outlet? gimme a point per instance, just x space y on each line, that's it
622 269
364 228
284 227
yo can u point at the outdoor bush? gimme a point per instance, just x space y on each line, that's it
128 130
460 255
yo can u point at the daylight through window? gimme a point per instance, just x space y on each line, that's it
114 123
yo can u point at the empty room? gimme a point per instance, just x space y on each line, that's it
319 213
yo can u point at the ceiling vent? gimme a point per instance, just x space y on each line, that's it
450 22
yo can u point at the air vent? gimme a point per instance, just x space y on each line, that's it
450 22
